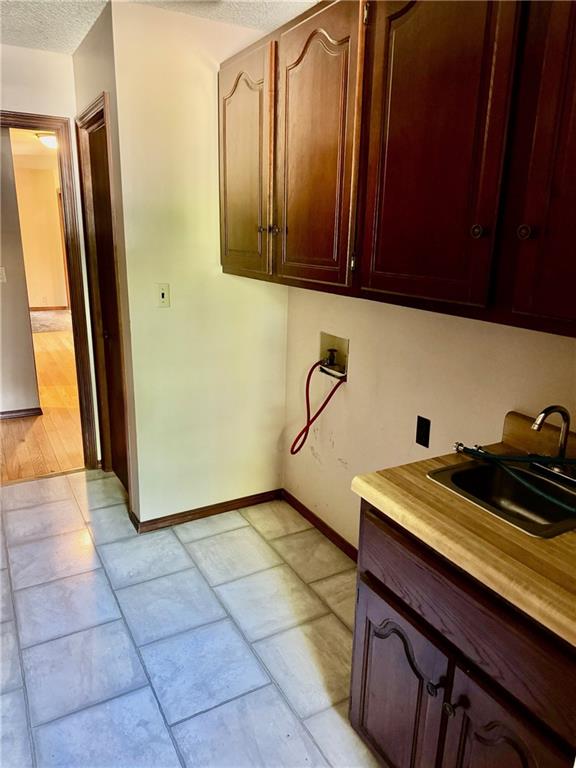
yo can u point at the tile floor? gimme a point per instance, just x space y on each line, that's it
223 642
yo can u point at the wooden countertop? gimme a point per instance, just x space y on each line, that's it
538 576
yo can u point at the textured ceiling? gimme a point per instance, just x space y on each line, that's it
260 14
53 25
60 25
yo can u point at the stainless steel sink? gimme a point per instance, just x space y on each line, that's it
495 490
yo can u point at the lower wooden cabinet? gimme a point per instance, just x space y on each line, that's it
399 676
429 687
481 732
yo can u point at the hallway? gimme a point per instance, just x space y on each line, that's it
40 445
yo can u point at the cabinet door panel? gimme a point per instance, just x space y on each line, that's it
484 734
246 101
545 272
438 114
316 100
397 684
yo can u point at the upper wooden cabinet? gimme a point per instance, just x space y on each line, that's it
438 111
318 64
544 183
246 101
420 152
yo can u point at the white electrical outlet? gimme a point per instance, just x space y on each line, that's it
2 274
163 294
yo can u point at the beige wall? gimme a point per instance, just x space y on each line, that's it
209 371
462 374
18 384
41 232
35 81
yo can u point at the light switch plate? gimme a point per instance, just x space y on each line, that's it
163 294
2 274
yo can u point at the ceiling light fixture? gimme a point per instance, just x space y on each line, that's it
49 140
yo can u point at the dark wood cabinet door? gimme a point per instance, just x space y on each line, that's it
481 733
437 110
545 264
246 104
316 125
398 679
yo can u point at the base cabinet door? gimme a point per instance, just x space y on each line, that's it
481 733
398 682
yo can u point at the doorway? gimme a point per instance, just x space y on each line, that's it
47 422
96 172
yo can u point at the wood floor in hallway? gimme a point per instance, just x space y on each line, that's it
42 445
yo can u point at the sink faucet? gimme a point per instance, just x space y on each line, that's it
563 412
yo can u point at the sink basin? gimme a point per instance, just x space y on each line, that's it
494 490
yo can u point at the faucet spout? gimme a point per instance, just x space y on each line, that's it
565 429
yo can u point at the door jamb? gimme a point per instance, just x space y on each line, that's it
96 115
61 127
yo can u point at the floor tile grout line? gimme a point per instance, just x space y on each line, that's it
92 705
192 567
325 578
308 524
60 578
13 545
71 634
53 475
210 535
18 687
146 674
57 581
29 730
182 632
333 575
268 684
38 504
45 538
103 700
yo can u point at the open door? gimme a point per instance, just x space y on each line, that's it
54 431
95 175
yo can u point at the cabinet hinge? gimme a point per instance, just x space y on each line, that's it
352 263
365 13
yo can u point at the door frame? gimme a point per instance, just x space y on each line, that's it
95 116
61 127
